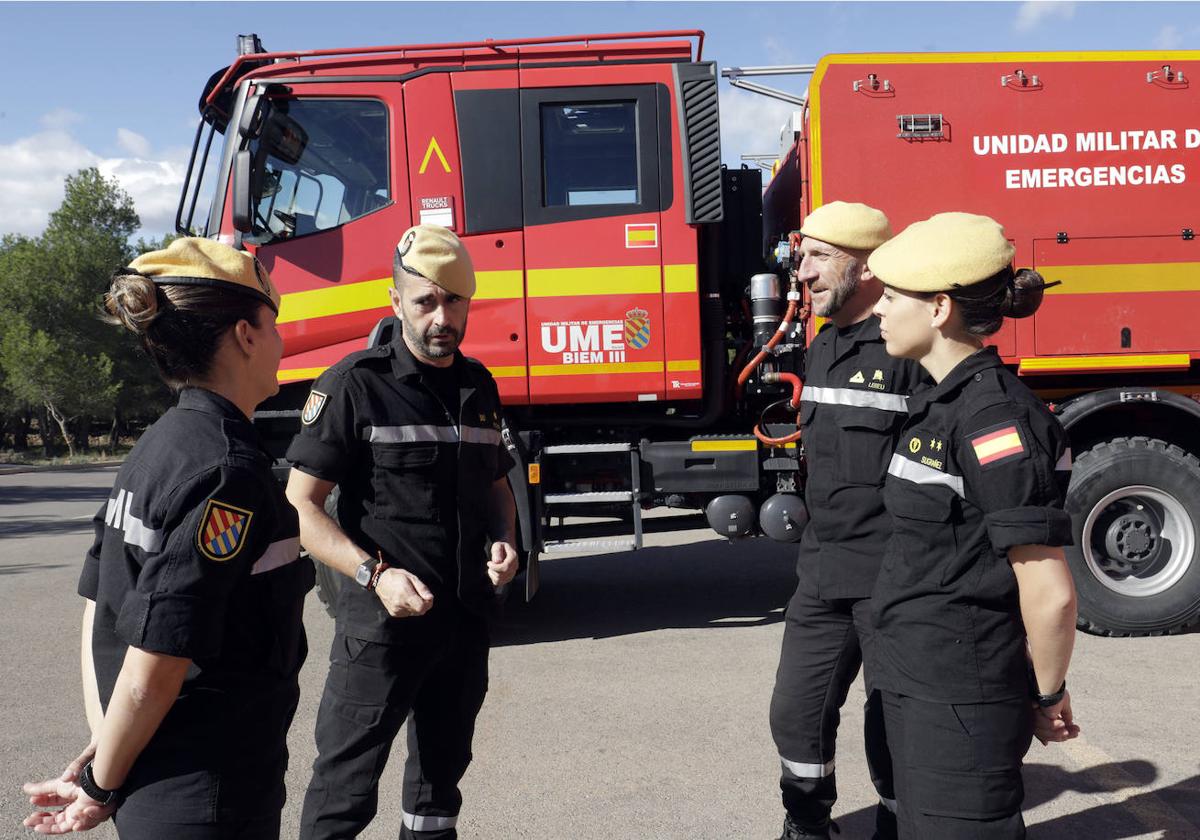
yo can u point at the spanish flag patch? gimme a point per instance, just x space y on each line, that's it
998 445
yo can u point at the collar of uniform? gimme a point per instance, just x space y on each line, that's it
201 399
865 330
968 368
404 363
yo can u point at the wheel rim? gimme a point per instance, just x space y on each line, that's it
1138 541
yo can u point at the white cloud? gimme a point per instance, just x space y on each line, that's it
32 170
1169 38
751 124
60 118
1032 13
132 142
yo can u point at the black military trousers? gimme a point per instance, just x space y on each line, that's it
136 828
824 642
438 685
958 767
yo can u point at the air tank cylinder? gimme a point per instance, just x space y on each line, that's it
766 306
731 516
783 517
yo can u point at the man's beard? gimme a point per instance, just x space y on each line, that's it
424 344
838 295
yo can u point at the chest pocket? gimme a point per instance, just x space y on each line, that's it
925 537
404 481
864 445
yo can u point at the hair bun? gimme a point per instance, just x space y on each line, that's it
133 301
1025 292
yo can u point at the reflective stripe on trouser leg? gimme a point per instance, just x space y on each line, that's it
802 770
418 822
890 804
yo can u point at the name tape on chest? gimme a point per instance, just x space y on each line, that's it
998 445
927 450
223 530
312 407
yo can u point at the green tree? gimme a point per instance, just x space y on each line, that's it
54 349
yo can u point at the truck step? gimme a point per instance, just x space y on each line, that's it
585 546
588 498
577 448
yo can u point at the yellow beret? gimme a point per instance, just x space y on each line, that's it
944 252
195 261
848 225
435 253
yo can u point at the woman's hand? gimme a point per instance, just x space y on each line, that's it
79 812
71 773
1055 723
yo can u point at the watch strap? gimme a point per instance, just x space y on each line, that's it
87 783
1045 701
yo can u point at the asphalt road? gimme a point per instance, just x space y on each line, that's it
629 701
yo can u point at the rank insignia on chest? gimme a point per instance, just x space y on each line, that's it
996 445
927 450
312 407
223 530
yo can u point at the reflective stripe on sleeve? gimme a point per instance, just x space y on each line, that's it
422 433
908 470
278 553
802 770
478 434
852 397
1064 463
137 533
417 822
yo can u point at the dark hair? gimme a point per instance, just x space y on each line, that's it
1006 294
180 326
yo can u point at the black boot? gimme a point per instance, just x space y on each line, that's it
792 830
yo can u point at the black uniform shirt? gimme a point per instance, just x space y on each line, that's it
981 466
853 404
414 479
196 556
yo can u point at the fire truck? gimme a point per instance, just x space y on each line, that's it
638 302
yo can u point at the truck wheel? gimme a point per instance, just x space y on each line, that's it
1135 510
329 582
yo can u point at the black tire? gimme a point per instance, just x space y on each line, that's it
1135 511
329 582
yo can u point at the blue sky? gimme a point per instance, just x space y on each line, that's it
115 84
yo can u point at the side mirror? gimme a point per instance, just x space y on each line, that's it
241 210
251 123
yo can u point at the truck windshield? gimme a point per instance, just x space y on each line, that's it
317 164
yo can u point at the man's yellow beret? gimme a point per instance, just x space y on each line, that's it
195 261
944 252
848 225
435 253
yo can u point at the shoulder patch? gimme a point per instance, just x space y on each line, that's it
998 444
312 407
223 530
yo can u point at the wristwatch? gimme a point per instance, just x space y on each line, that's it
87 783
365 575
1045 701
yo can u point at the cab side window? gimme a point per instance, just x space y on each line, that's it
589 153
317 164
595 152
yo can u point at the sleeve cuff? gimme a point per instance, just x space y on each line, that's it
89 578
1029 526
317 458
174 625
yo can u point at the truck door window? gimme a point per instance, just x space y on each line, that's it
589 154
317 164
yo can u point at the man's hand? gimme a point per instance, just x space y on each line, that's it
403 594
1055 723
503 566
79 811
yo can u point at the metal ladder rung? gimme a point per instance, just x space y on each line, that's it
562 546
579 448
585 498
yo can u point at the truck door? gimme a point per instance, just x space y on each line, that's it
324 188
1119 295
592 201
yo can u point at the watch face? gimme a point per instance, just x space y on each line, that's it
363 576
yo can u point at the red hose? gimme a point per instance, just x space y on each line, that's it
744 376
